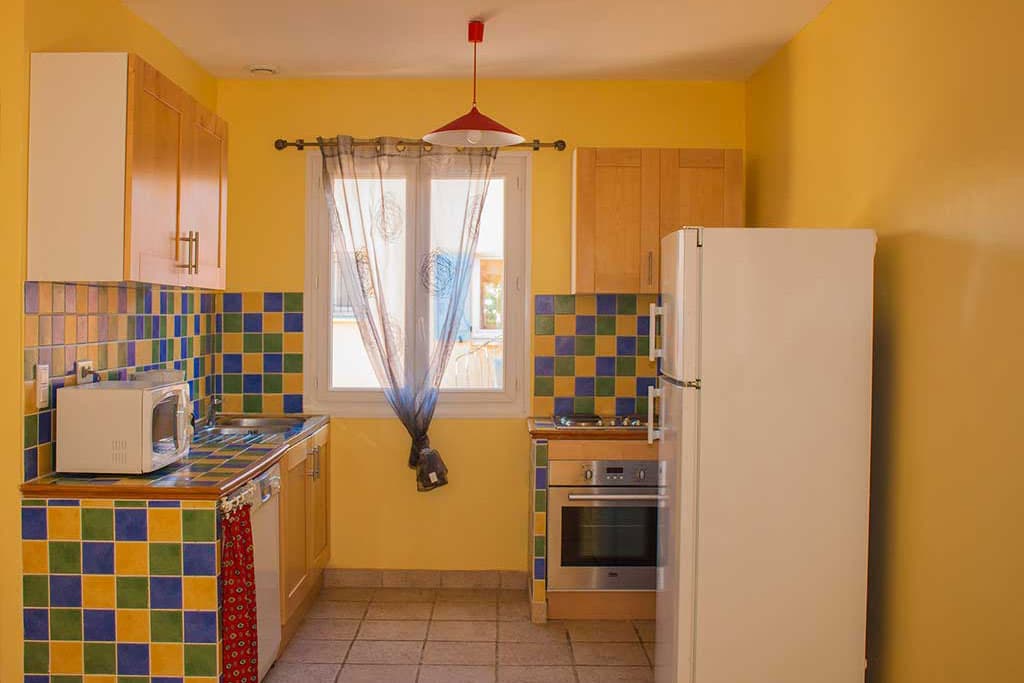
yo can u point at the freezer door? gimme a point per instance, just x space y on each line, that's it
677 529
680 304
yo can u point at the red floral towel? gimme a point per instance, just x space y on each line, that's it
239 642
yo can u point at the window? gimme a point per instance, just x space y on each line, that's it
486 372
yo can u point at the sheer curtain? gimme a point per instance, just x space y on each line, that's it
405 267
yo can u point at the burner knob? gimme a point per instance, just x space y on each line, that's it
641 474
588 475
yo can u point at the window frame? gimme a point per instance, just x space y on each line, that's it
510 401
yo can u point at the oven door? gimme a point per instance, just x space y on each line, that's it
602 538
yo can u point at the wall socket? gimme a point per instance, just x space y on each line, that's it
84 369
42 386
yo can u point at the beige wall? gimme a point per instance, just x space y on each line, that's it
906 116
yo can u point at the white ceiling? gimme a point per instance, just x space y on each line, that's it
649 39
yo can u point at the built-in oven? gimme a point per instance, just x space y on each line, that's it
602 525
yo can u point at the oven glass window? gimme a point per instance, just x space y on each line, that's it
165 426
609 536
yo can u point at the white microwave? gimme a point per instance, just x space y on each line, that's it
130 427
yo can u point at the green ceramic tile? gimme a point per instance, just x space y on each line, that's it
252 404
544 324
541 451
163 327
643 346
35 591
232 384
538 546
65 624
31 430
165 559
605 324
604 386
565 303
165 626
540 501
65 557
293 362
65 679
129 503
97 524
293 302
273 342
201 660
641 405
33 503
273 384
252 342
625 304
100 658
565 366
585 345
37 658
543 386
232 322
625 366
132 591
583 404
198 525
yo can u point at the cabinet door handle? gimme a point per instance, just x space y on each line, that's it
189 242
650 267
195 239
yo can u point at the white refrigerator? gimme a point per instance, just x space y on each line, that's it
764 454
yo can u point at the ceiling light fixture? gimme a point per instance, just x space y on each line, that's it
262 69
474 129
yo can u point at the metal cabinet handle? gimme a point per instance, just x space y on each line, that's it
195 266
191 264
652 433
650 267
609 497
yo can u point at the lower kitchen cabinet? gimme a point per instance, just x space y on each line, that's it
305 527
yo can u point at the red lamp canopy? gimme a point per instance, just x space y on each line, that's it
474 129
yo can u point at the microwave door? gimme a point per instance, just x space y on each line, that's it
170 426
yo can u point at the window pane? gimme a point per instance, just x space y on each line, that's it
383 207
477 358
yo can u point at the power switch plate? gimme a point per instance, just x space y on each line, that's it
42 386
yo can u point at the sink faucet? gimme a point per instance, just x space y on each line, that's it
211 409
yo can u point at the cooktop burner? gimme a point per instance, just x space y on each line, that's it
584 421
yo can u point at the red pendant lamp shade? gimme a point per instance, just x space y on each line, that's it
474 129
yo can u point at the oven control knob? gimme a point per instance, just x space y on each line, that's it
588 475
641 474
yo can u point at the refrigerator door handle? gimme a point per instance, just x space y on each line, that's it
652 433
654 353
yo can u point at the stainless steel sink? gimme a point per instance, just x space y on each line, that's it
258 424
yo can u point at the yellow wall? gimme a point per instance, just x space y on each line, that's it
905 116
478 520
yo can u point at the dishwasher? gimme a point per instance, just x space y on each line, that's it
264 494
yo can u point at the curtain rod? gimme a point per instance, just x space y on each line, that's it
300 144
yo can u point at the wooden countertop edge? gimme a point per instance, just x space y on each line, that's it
66 491
585 434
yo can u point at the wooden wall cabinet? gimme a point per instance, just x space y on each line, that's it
127 175
626 200
305 527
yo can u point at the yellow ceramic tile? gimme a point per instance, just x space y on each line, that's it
65 657
31 330
34 559
90 678
45 297
540 524
133 625
232 342
58 298
292 383
565 324
252 302
293 342
44 459
97 503
539 590
273 403
586 304
252 362
203 679
232 403
64 524
273 322
71 330
131 558
646 367
565 386
29 392
94 328
543 405
604 345
198 505
143 352
98 591
166 659
544 345
604 405
164 524
625 325
199 592
586 366
644 301
625 386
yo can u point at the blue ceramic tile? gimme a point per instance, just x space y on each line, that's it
97 558
37 624
605 366
584 386
99 625
565 346
252 322
273 302
33 522
625 346
293 322
625 406
164 504
63 503
166 679
563 406
293 403
643 326
65 590
200 627
132 659
199 559
206 303
165 592
541 478
31 462
544 304
585 324
232 362
129 524
140 327
232 303
272 362
642 383
606 304
544 366
252 384
36 678
31 297
45 426
538 568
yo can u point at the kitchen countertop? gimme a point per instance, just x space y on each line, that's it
215 466
544 428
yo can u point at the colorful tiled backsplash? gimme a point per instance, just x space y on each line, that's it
591 354
121 328
120 589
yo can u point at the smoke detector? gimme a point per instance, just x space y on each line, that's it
262 69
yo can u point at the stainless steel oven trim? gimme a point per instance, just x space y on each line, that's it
561 578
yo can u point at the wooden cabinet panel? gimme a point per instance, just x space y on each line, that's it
319 512
295 574
204 195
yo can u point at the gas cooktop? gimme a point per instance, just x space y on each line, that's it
589 421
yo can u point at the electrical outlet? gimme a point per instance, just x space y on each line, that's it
84 369
42 386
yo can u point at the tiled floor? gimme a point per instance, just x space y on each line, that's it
452 635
